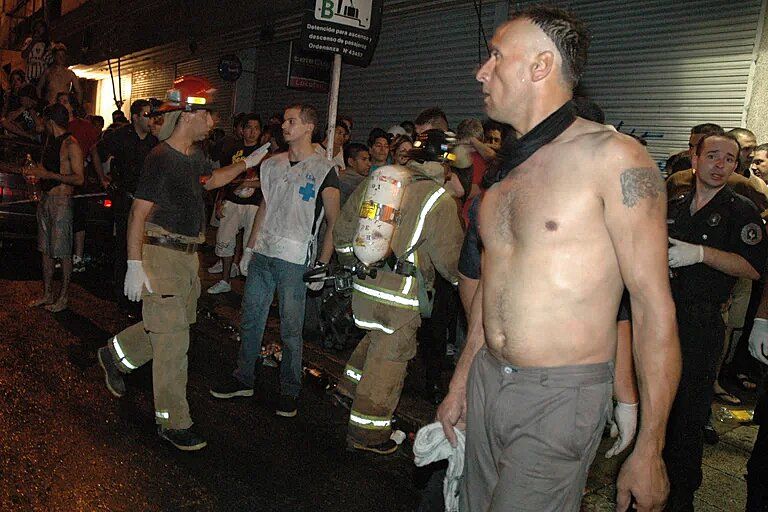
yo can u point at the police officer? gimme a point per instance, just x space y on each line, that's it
128 146
166 224
757 466
389 306
716 236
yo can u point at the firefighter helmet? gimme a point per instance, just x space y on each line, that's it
433 146
188 93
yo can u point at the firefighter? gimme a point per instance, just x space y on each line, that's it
389 305
165 227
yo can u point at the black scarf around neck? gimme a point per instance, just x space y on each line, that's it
515 151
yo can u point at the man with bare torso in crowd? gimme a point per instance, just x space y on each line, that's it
61 171
59 78
577 213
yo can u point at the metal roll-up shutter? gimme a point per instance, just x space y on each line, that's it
207 66
271 93
425 58
663 66
151 83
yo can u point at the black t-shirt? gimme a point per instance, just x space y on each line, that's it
237 154
728 222
171 180
129 152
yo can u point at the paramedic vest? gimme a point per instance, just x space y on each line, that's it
289 227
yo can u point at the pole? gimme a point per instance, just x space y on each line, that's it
333 104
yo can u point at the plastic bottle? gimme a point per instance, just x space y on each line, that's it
35 191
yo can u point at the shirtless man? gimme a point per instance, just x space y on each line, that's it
59 78
61 171
562 234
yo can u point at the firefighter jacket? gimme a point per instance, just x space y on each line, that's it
391 300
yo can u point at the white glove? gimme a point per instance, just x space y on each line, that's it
682 254
624 426
135 281
318 285
245 260
758 340
244 192
254 158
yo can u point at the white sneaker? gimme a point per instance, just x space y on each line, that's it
220 287
234 271
216 268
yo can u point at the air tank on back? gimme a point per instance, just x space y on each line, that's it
380 213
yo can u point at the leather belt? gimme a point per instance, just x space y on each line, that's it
170 243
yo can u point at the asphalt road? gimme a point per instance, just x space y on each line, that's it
67 445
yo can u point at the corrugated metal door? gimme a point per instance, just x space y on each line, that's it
151 83
271 94
425 57
663 66
207 66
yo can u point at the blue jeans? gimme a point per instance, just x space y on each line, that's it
265 274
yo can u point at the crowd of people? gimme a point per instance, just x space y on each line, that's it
540 244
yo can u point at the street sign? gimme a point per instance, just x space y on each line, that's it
309 71
230 68
349 28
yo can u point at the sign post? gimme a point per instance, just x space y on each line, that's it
349 29
333 104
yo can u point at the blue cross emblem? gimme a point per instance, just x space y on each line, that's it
307 192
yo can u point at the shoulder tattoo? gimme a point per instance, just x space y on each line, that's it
639 183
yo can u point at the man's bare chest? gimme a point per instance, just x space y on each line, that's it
536 208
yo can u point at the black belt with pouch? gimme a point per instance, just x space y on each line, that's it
172 243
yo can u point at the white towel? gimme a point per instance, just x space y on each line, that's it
430 446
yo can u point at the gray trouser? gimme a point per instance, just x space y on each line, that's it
532 434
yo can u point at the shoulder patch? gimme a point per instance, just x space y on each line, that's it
751 234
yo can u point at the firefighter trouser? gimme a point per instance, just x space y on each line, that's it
163 335
701 330
374 377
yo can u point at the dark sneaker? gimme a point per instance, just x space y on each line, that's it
286 406
710 434
387 447
183 439
113 377
231 388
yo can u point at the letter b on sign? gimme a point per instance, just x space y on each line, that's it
326 11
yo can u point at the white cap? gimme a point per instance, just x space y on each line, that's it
396 130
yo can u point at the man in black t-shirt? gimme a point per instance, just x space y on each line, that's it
128 146
239 204
166 224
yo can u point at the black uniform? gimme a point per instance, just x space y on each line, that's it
129 152
757 466
731 223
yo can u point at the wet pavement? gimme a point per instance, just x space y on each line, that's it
67 444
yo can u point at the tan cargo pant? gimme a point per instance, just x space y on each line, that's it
374 377
163 335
